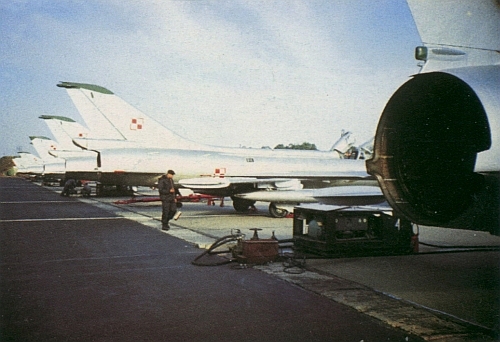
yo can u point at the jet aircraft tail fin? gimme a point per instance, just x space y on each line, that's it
102 109
27 159
65 130
43 146
344 143
449 42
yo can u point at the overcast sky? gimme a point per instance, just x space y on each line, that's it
232 73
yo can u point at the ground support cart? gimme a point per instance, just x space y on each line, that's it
335 231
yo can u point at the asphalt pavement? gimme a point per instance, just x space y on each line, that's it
446 289
71 271
93 270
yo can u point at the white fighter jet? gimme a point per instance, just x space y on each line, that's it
28 164
140 150
54 168
65 130
437 145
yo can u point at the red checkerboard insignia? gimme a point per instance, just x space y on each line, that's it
136 124
220 172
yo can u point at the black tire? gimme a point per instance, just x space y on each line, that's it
241 205
277 212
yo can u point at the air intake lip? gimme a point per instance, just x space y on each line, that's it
426 145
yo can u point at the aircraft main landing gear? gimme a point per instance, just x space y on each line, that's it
277 212
242 205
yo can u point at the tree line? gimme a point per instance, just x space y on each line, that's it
7 166
303 146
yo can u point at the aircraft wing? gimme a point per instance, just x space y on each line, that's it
276 183
206 183
334 195
284 193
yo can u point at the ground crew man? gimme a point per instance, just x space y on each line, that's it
69 187
167 192
86 190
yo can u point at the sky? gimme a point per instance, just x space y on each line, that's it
246 73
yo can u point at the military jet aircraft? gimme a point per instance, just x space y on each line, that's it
141 150
27 164
437 149
64 130
53 167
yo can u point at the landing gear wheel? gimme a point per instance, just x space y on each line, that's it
241 205
277 212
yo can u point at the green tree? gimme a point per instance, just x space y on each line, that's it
303 146
7 166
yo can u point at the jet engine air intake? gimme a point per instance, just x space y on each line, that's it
425 152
